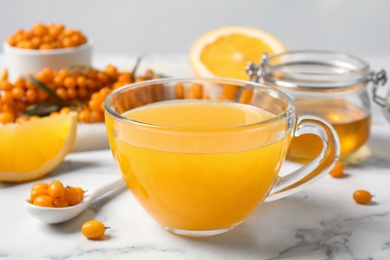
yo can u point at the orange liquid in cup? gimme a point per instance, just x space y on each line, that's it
351 123
205 181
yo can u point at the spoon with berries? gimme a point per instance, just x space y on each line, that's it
54 202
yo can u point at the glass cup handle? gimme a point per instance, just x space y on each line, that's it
316 168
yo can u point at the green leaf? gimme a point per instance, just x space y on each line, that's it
136 67
44 87
41 109
82 68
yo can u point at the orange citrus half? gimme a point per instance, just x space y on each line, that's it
31 150
225 51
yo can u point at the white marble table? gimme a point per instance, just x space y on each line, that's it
320 222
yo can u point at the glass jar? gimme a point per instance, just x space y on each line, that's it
330 85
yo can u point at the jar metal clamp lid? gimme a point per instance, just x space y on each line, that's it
319 71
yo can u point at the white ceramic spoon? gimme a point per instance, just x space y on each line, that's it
59 215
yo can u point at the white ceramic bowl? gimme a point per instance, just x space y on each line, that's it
22 61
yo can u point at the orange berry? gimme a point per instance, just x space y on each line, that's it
56 189
61 203
80 191
9 108
31 95
93 229
6 118
97 116
82 93
362 197
72 93
39 29
62 93
42 185
66 42
42 95
20 82
63 73
18 93
44 201
338 170
103 77
34 117
111 71
46 75
5 85
45 46
85 116
38 192
69 82
81 81
94 105
11 40
21 119
7 97
65 110
71 196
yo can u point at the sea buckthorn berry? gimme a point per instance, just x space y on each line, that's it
18 93
111 71
38 192
20 82
42 185
80 191
97 116
62 93
71 196
21 119
56 189
65 110
34 117
9 108
362 196
337 171
5 85
31 95
6 118
39 29
93 229
42 95
70 82
81 81
85 116
61 203
44 201
6 97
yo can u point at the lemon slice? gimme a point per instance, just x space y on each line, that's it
225 51
31 150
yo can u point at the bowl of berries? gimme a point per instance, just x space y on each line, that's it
45 46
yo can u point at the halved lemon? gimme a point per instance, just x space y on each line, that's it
31 150
225 51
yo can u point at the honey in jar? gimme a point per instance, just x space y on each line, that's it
330 85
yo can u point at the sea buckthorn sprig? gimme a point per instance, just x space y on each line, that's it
47 37
79 88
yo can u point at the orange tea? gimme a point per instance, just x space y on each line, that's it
209 181
351 123
199 164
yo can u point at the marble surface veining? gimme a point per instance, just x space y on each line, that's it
319 222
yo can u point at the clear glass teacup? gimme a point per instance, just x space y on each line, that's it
201 154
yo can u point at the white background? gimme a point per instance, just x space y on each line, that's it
171 26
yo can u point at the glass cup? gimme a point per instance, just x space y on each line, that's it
201 154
